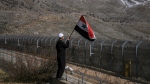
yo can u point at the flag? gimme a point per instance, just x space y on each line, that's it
84 29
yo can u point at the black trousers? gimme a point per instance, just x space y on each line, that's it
61 66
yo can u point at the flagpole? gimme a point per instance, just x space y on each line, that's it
71 33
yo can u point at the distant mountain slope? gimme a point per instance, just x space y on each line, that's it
110 19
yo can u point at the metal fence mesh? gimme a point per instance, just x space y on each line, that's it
129 59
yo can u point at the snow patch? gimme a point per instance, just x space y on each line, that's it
131 3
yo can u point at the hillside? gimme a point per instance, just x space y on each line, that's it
110 19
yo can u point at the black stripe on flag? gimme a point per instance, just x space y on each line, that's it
83 33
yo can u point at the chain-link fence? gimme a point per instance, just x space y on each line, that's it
127 59
28 58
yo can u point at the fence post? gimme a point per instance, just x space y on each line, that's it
112 57
56 39
78 49
33 38
101 51
36 38
37 44
5 40
46 41
85 53
42 41
18 42
123 48
112 46
79 41
91 51
102 45
137 58
72 41
91 48
123 55
51 40
23 39
27 40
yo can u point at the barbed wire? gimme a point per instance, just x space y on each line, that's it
108 56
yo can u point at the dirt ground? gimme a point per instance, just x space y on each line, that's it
110 19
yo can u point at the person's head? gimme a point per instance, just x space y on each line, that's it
61 36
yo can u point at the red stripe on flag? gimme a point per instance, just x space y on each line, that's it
90 31
89 34
82 19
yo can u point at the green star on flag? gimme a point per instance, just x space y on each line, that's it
84 29
84 26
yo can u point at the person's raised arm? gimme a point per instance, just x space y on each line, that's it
66 45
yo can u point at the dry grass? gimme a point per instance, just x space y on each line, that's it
6 79
44 17
3 75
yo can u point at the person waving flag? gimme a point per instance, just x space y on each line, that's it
84 29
